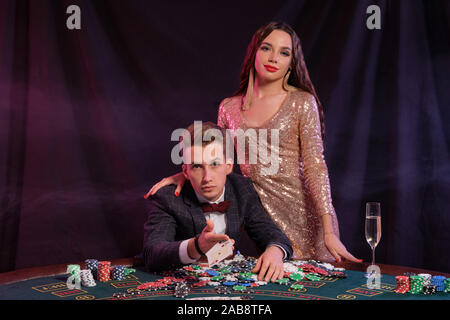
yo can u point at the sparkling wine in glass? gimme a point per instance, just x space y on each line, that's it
373 226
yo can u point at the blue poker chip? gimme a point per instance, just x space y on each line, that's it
212 272
229 283
244 284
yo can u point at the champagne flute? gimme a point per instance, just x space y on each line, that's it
373 226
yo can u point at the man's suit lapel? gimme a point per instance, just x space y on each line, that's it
232 217
194 208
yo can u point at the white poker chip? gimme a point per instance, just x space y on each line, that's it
326 266
214 283
299 262
87 279
204 278
239 257
289 267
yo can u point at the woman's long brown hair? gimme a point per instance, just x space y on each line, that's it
299 76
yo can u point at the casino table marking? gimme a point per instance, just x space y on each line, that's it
232 280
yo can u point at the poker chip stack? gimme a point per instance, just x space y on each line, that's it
416 285
426 278
429 289
92 265
118 272
296 287
447 285
181 290
87 279
223 290
103 271
73 281
402 284
438 281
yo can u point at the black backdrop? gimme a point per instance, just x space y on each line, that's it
86 116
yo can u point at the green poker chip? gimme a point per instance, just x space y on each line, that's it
296 287
225 270
245 275
296 276
283 281
239 288
312 277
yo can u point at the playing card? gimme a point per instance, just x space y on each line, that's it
220 251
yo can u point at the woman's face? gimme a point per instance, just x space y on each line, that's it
273 57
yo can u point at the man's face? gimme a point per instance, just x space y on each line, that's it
208 174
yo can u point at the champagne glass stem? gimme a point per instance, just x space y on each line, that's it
373 256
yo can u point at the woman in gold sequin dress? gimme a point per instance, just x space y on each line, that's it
276 95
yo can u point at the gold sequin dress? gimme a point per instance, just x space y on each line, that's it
298 193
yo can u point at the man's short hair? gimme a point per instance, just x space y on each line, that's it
204 133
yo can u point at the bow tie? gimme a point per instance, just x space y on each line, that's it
213 207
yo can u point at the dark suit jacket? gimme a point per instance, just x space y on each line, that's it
173 219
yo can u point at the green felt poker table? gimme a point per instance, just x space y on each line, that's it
49 283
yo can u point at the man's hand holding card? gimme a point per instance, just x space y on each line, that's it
215 246
219 252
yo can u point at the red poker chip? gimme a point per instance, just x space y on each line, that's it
148 285
165 281
157 285
143 286
200 284
190 279
402 284
321 271
308 268
204 274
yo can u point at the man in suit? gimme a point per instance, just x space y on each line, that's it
212 206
